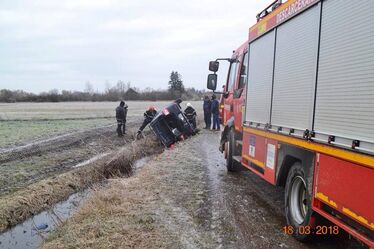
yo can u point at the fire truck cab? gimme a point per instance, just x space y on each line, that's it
233 95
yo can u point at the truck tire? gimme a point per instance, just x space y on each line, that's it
298 203
231 164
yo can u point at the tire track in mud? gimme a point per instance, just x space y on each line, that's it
57 142
28 164
235 208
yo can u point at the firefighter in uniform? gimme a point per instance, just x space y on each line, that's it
191 115
148 117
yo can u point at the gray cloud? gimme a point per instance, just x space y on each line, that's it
63 44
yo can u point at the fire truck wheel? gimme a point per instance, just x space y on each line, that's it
298 203
231 164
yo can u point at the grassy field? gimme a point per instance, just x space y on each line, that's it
75 110
35 183
13 133
22 123
58 137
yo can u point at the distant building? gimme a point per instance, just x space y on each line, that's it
131 94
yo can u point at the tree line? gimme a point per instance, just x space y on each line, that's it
120 91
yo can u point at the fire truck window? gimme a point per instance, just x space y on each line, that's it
233 70
243 72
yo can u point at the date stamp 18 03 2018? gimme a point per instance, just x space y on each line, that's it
306 230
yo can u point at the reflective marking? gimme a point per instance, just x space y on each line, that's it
358 218
257 162
348 212
325 199
365 160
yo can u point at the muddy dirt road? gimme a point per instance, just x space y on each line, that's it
251 207
184 198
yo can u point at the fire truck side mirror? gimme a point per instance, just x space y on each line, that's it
212 81
213 66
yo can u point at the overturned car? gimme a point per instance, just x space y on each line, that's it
171 125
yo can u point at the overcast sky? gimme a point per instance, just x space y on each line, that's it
63 44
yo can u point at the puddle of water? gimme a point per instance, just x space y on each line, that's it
32 232
27 234
91 160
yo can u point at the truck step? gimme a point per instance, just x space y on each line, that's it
237 158
239 142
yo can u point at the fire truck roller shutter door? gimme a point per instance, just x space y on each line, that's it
345 87
295 71
260 76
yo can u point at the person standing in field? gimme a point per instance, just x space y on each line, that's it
215 113
207 112
121 114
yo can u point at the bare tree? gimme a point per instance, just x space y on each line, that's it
89 88
121 87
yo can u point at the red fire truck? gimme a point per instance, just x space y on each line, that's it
299 112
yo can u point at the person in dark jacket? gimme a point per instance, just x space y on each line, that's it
207 112
148 117
191 115
178 102
215 112
121 114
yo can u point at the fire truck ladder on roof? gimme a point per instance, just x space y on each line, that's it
266 11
